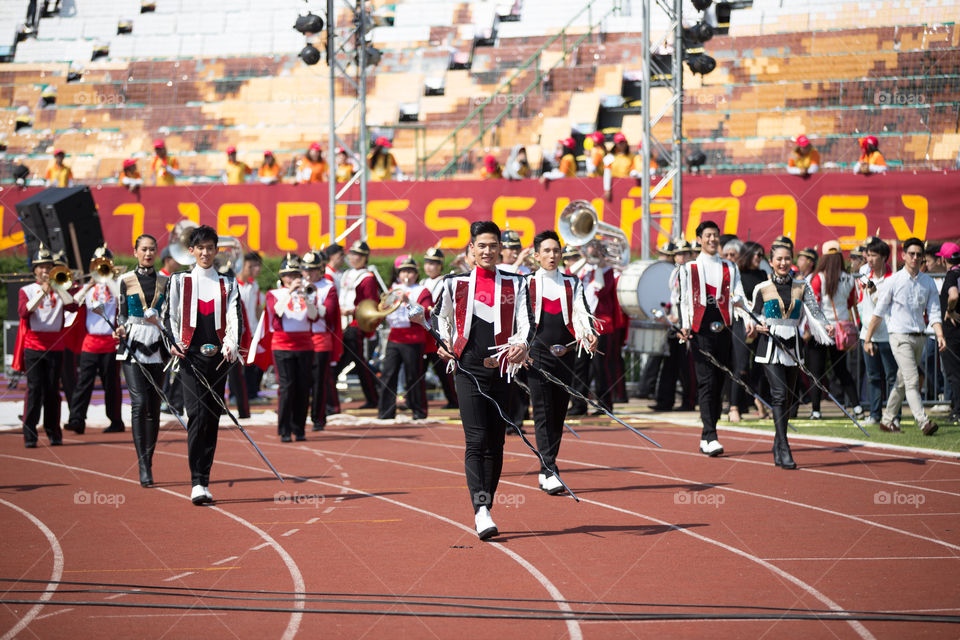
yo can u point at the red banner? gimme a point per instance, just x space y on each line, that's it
411 216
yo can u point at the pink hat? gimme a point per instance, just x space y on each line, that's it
231 149
59 152
802 141
315 146
598 137
382 142
948 249
129 162
618 137
569 143
869 141
401 259
490 161
267 153
159 144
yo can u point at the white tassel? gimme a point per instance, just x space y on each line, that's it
818 330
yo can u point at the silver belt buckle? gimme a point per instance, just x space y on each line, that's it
491 363
209 350
716 327
559 350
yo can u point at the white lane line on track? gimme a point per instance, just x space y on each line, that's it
327 510
293 625
55 574
115 596
178 576
809 589
289 533
754 494
53 613
878 558
312 520
225 560
259 546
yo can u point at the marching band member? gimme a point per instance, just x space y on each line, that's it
327 337
289 314
484 318
39 349
358 283
140 290
573 265
433 268
98 354
203 315
405 345
511 261
252 301
335 259
561 317
676 362
709 288
599 286
783 302
172 388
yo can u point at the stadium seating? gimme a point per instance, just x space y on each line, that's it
206 78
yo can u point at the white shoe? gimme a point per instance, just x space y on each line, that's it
869 421
209 495
857 411
551 484
198 496
485 525
712 448
815 415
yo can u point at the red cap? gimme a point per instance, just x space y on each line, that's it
316 146
802 141
618 137
341 150
231 149
129 162
598 137
267 153
569 143
382 142
869 141
490 161
59 152
159 144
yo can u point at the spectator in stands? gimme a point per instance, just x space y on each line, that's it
381 162
269 172
805 160
312 167
907 301
164 168
491 169
598 151
345 166
806 263
237 171
566 162
130 176
626 164
871 160
59 174
518 168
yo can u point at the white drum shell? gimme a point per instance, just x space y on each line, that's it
643 286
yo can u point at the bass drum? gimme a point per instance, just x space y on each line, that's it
643 286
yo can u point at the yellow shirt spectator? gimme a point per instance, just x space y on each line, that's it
237 172
58 175
163 170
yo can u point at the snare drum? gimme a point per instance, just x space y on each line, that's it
643 286
647 337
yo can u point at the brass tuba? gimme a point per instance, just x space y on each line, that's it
179 242
599 242
369 314
101 270
229 255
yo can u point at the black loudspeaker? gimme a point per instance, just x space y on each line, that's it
14 283
63 219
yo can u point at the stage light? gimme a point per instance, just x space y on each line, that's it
310 54
696 160
702 5
701 31
309 24
701 63
372 54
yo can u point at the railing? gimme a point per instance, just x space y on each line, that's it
478 116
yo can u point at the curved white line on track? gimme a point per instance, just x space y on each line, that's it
809 589
295 618
55 574
753 494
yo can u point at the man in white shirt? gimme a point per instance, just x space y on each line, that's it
709 289
902 301
881 366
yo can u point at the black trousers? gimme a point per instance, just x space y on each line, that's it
43 393
173 389
68 375
951 368
252 376
676 366
603 371
709 378
649 376
295 382
238 388
483 431
620 367
320 386
816 361
91 365
581 382
203 414
782 381
353 352
550 403
446 380
411 357
144 408
518 400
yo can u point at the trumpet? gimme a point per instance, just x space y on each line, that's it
102 270
60 278
309 289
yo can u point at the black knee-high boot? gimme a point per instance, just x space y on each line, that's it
782 456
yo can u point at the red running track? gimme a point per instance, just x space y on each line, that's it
374 526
